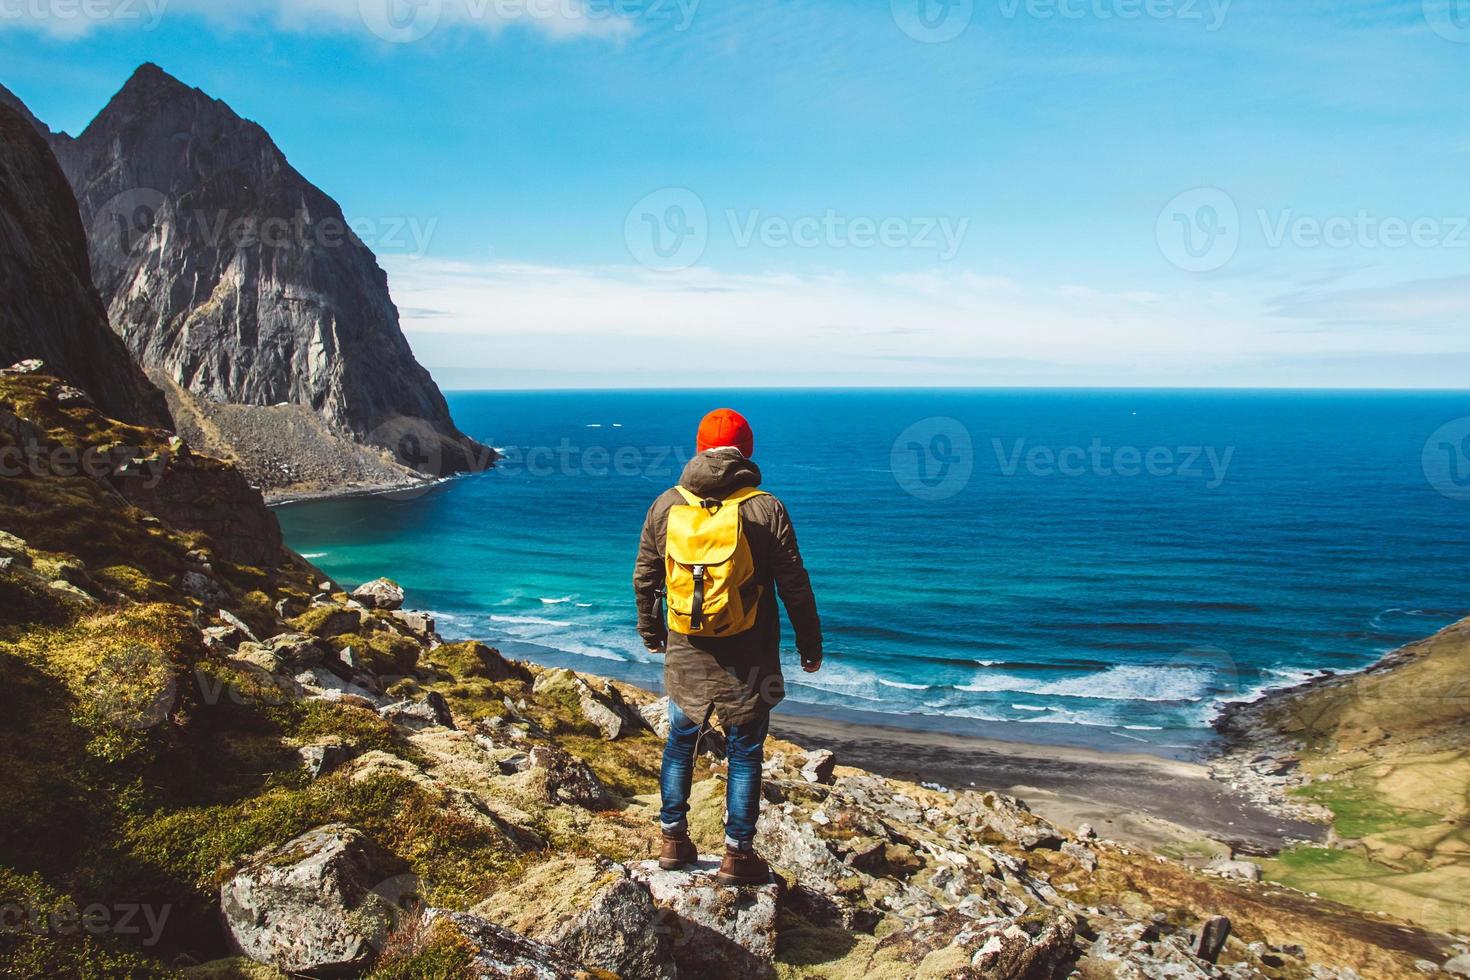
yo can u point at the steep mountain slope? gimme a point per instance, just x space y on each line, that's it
225 269
48 306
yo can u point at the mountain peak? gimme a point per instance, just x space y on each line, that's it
9 98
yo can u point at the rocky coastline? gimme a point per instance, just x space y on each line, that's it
311 781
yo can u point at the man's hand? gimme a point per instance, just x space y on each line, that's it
656 646
811 666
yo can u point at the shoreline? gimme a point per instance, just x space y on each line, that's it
274 499
1135 798
1143 799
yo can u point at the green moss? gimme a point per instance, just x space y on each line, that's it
441 954
356 726
1358 811
44 935
385 654
136 584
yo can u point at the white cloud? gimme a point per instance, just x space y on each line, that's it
917 329
393 21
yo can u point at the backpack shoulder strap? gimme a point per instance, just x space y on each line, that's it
738 497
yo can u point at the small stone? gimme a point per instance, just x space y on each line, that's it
1086 832
1459 966
1242 870
28 366
819 766
569 779
1082 855
321 759
432 711
230 619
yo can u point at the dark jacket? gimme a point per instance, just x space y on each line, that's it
739 676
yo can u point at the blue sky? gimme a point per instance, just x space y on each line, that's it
954 192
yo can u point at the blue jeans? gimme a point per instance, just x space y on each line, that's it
745 750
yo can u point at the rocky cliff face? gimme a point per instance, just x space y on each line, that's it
49 309
227 270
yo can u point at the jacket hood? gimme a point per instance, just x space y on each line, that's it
719 473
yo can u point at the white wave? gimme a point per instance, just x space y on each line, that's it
1128 682
1131 738
907 687
530 621
584 605
556 602
1144 728
1027 707
314 555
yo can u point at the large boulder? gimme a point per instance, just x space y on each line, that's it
789 840
380 593
606 709
717 930
500 953
592 911
308 906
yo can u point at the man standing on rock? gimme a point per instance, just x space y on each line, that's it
719 550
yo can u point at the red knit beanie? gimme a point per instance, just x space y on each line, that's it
726 427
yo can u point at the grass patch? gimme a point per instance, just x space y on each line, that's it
1360 812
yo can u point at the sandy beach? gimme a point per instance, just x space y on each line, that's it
1134 798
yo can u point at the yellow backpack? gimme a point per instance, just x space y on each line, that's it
708 565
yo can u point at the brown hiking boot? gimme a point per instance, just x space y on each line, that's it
743 868
678 850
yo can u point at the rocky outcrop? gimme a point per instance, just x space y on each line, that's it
308 906
224 268
499 953
49 308
717 930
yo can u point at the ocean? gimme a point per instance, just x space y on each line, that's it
1066 566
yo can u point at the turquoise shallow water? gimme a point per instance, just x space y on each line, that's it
1099 567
